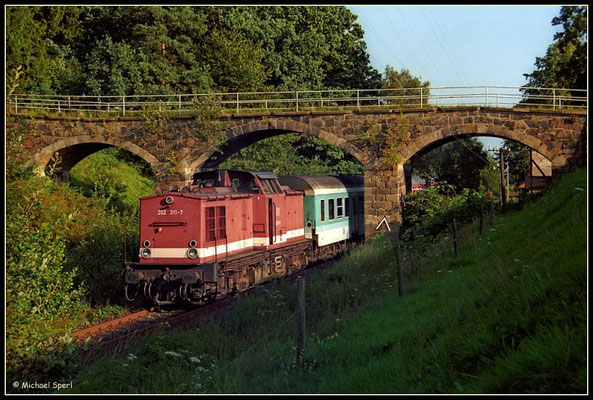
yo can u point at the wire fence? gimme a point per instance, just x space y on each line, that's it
310 100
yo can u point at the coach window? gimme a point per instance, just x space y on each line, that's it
331 209
340 207
322 210
347 206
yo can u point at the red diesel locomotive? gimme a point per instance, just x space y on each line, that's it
224 232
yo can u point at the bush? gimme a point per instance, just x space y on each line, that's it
431 211
40 293
99 257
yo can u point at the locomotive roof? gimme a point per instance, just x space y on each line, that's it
324 184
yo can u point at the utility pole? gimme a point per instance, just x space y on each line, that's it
508 183
503 197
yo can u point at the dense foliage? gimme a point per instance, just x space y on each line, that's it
64 254
431 211
109 50
295 154
458 163
565 62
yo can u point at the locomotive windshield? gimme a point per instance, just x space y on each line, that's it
270 186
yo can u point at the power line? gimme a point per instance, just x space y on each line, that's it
448 46
402 40
384 45
421 47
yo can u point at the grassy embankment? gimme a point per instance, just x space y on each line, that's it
508 315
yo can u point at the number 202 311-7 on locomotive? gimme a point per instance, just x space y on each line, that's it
229 230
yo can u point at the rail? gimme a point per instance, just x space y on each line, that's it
307 100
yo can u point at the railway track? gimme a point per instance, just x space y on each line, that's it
115 336
106 326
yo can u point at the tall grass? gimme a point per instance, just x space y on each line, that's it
507 315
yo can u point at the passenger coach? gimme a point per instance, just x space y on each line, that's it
333 206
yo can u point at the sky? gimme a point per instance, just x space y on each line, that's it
459 45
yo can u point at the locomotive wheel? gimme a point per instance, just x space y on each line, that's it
127 291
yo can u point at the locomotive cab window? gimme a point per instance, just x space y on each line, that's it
245 185
215 223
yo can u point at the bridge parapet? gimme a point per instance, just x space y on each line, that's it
241 102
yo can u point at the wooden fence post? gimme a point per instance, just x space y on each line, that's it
455 236
300 348
481 217
400 274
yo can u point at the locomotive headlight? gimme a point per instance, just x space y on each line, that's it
169 200
145 253
146 243
192 243
192 253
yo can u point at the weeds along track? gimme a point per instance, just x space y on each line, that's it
115 336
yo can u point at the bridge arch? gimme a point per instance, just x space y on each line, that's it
74 149
447 134
244 135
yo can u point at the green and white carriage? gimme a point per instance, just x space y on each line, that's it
333 206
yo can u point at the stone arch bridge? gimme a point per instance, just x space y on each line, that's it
179 146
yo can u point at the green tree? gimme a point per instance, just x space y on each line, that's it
111 50
295 154
235 63
490 178
458 163
113 69
143 50
40 40
392 79
565 62
305 47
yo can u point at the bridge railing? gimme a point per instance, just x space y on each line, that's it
303 100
